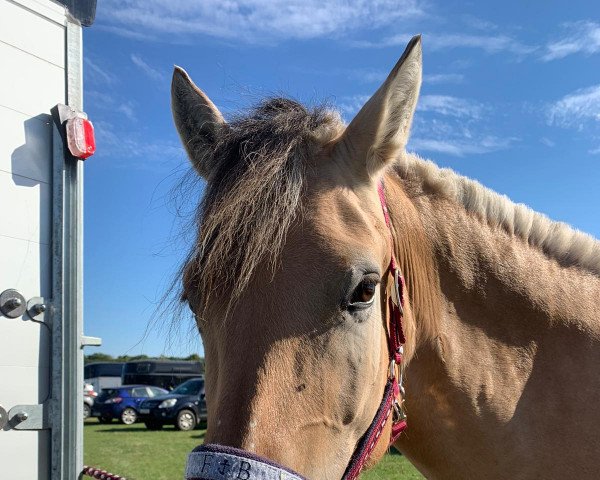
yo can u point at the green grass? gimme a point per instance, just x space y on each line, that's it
141 454
393 467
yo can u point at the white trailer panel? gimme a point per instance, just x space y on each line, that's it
40 34
29 84
32 265
41 371
32 81
29 199
25 145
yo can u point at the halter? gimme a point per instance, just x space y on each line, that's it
216 462
391 404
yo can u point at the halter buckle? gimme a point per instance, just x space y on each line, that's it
396 297
392 370
398 413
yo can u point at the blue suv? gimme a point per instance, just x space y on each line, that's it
123 402
184 407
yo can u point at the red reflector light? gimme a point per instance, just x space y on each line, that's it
80 137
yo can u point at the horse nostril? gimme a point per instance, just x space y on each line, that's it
301 387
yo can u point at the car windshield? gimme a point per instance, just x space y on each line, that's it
107 393
191 387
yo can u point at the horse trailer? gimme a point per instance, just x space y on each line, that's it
103 375
161 373
44 136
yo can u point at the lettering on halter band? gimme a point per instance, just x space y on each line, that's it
211 465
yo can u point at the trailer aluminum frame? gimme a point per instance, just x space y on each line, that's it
67 283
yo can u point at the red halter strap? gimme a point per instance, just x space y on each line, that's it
391 405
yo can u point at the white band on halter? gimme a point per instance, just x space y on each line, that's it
210 465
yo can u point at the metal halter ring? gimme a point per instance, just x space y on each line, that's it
398 412
392 370
398 299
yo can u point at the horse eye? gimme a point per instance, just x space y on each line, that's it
364 293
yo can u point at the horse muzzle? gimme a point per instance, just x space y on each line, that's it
217 462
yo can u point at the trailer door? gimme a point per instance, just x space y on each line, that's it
41 402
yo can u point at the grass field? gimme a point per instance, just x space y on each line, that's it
140 454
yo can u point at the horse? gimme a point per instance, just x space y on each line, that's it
289 281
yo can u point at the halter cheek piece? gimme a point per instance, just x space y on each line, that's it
216 462
392 403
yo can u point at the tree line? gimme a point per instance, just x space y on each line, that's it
104 357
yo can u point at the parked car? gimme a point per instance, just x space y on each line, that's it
123 402
89 394
184 407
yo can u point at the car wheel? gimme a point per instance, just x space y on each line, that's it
150 425
186 420
128 416
87 411
104 419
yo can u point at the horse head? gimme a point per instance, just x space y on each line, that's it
289 278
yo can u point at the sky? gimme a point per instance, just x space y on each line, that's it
510 97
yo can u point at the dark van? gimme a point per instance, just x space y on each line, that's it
161 373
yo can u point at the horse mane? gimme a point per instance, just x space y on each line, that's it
246 211
260 160
568 246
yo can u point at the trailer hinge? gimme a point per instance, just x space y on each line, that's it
29 417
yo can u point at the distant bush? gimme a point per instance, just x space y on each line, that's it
104 357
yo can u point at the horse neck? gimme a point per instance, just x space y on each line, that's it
508 314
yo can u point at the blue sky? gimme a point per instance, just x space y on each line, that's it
511 97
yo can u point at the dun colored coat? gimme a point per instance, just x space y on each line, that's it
502 322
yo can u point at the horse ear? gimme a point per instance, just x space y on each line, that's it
197 119
380 130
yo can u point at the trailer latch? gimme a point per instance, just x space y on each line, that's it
29 417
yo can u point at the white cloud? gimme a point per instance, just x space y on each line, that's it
350 105
437 78
371 75
107 102
125 32
397 40
487 43
478 23
147 69
94 72
450 106
444 41
368 75
443 124
460 147
140 152
546 141
582 37
254 20
462 132
577 108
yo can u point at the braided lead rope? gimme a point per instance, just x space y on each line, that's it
100 474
